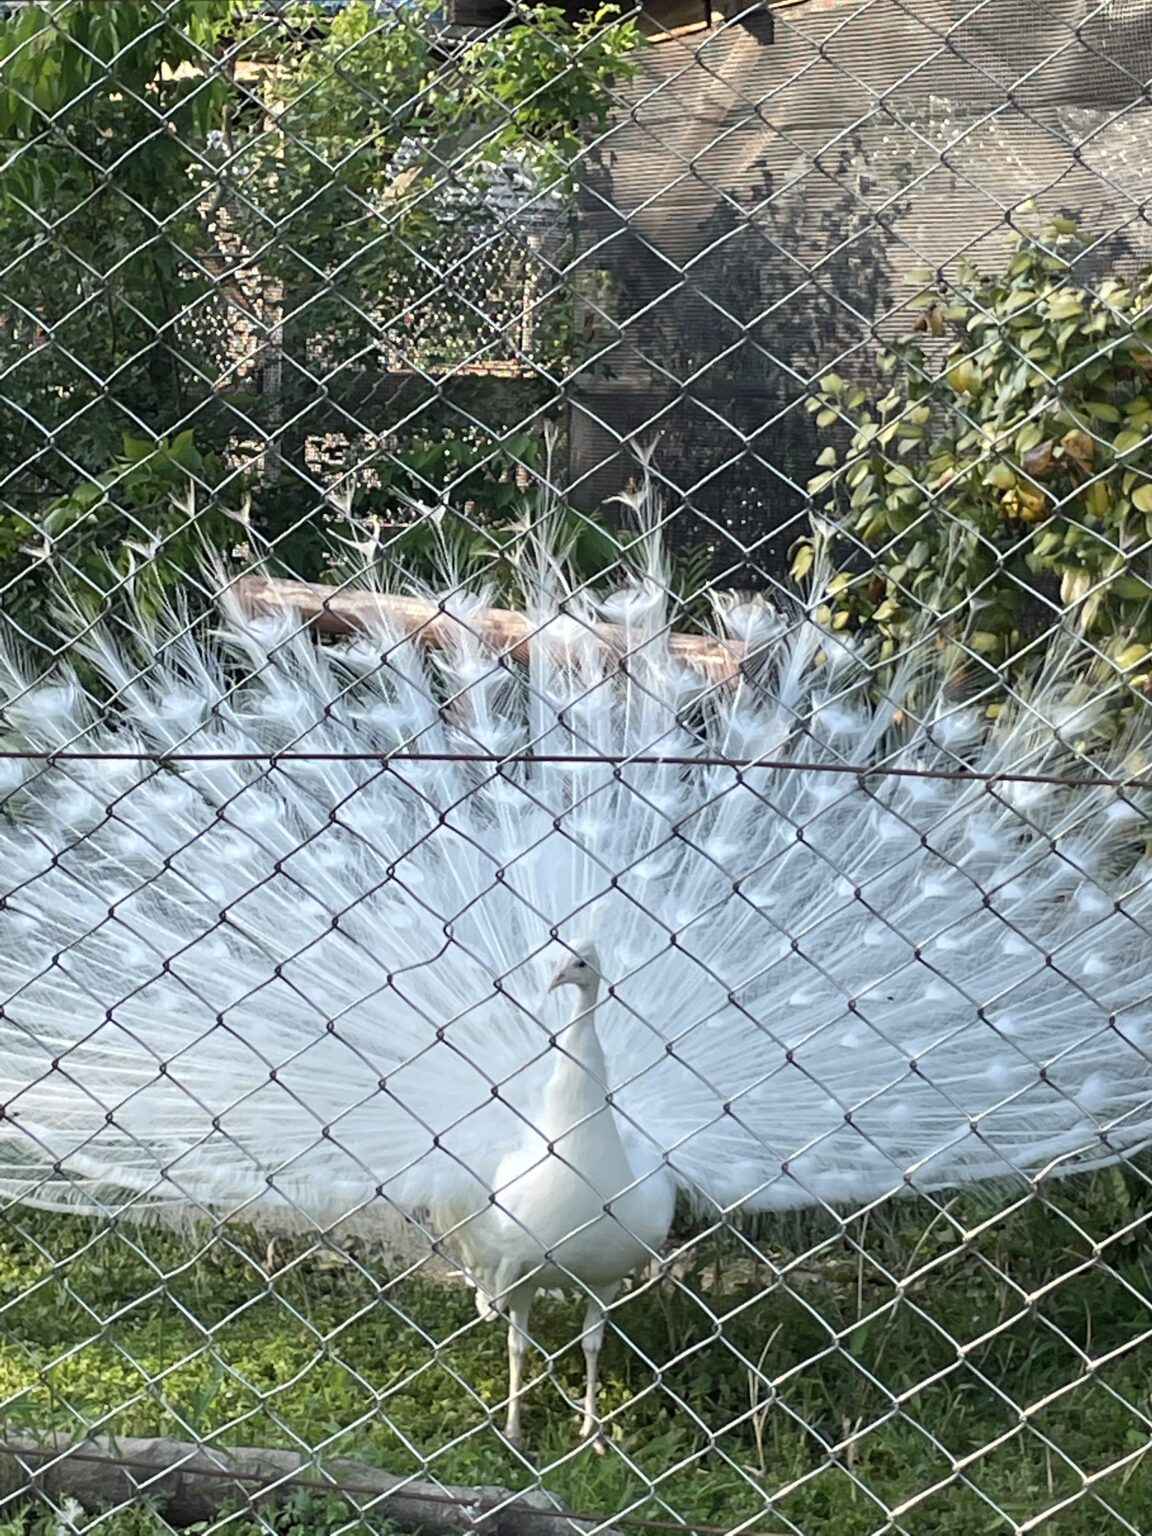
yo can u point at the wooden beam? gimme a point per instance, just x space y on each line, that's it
335 611
196 1484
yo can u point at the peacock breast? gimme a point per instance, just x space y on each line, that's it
583 1212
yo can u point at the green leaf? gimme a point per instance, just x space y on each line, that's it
1102 410
1003 476
138 449
1142 498
964 377
182 450
1066 304
1130 438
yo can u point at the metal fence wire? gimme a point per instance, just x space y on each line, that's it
575 901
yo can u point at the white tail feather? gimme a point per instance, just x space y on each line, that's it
319 991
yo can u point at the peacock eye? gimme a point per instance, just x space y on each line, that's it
581 964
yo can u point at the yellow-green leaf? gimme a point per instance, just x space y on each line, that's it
1102 410
964 377
1065 305
1131 656
1002 476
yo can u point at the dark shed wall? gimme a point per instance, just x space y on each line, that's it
757 207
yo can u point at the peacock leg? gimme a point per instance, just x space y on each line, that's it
519 1305
593 1339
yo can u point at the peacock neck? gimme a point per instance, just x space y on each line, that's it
577 1087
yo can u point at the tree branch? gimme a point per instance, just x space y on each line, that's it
333 611
194 1483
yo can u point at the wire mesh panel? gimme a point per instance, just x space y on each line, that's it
765 211
574 877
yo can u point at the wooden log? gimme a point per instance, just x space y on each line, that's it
193 1483
333 611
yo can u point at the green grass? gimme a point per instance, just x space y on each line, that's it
895 1355
303 1512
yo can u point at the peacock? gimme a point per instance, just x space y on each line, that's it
522 947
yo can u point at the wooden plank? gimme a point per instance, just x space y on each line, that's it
197 1484
334 611
666 19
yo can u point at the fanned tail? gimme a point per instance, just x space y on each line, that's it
316 992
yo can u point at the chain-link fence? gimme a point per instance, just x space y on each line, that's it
574 756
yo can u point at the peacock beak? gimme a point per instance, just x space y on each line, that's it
556 981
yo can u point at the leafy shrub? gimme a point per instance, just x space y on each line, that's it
337 187
104 332
380 181
139 528
1003 479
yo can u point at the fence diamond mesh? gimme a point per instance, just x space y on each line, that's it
574 767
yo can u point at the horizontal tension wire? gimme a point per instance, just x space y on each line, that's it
584 760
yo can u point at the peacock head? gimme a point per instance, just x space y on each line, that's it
580 967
